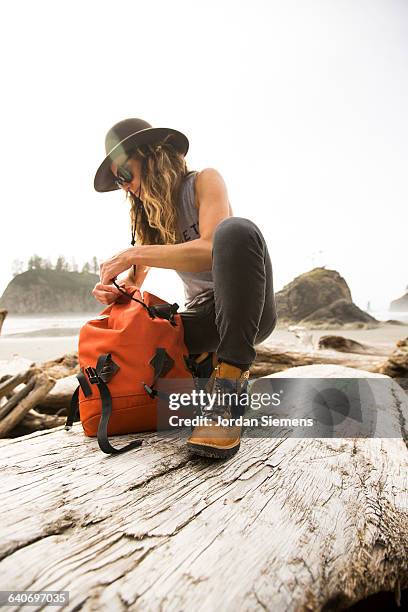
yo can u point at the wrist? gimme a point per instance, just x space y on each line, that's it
132 256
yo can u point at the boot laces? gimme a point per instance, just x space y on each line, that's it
222 406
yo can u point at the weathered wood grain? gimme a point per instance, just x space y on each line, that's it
286 524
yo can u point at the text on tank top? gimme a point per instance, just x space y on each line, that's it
198 286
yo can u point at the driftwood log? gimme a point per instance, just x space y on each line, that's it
397 363
347 345
67 365
270 361
36 387
35 421
286 524
58 400
22 387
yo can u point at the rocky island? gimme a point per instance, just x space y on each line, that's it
320 298
43 291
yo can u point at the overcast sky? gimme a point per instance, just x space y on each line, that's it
302 107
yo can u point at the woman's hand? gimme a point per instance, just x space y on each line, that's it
109 269
107 294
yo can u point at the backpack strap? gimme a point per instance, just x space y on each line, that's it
100 375
102 434
73 411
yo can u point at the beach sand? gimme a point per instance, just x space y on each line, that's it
47 346
383 337
37 349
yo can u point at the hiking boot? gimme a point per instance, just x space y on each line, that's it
228 385
202 368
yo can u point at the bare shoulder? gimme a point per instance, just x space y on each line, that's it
209 183
209 178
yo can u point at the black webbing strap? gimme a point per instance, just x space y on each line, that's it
84 384
73 412
100 375
102 434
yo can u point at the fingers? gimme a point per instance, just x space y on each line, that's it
105 298
103 287
106 294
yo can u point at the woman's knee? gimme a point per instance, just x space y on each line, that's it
235 229
266 330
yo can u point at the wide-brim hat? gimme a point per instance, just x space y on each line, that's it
124 137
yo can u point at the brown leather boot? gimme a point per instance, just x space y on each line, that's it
214 439
202 365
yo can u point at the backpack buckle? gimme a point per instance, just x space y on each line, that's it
92 375
149 390
106 368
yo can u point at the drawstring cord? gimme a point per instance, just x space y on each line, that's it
134 299
139 207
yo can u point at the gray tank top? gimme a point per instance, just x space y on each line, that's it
198 286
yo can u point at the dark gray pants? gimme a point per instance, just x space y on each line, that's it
242 311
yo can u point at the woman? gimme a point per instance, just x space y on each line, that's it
183 220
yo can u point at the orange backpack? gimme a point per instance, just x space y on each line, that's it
122 353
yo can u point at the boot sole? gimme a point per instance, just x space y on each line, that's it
213 452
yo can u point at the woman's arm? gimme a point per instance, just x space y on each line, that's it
192 256
136 279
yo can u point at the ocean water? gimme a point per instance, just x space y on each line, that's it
68 324
51 325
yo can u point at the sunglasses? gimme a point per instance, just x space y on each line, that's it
123 175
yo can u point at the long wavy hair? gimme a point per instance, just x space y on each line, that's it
154 220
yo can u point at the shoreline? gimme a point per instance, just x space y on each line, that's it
52 343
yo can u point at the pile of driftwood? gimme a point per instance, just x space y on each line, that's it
35 397
19 394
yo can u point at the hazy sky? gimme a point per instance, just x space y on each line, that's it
302 107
